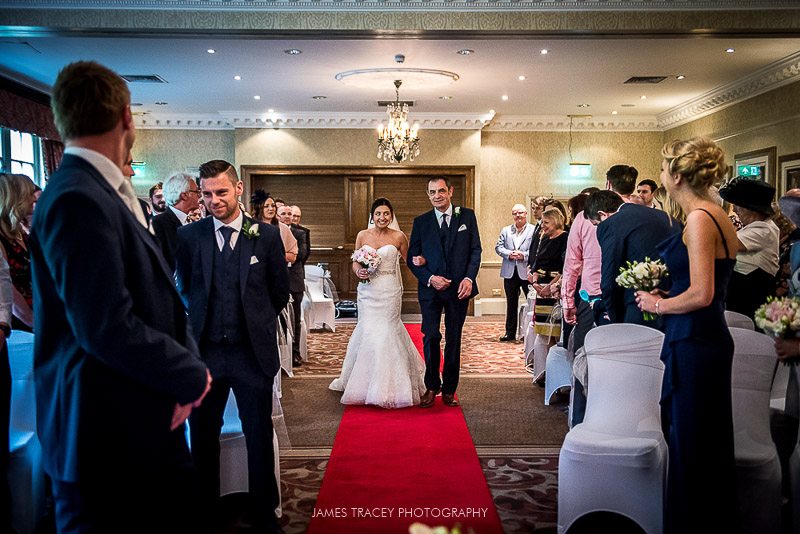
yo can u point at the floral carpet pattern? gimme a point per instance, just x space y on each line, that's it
524 491
481 352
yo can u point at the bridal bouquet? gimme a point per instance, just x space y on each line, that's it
642 276
779 317
368 258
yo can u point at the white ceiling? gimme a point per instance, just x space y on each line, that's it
575 71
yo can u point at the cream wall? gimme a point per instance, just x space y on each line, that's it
770 119
168 151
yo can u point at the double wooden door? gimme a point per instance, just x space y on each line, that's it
335 202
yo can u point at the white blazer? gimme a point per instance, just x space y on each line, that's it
506 245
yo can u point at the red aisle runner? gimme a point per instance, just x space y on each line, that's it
391 468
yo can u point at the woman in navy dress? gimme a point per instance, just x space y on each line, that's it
698 350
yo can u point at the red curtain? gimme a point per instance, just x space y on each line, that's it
53 152
26 115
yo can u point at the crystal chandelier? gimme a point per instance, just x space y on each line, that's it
397 141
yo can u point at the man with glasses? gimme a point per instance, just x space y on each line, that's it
182 195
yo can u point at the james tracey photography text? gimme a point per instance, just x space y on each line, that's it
400 512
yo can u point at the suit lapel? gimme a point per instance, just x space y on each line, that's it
245 253
451 236
207 248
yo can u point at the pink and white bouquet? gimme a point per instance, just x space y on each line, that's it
368 258
779 316
642 276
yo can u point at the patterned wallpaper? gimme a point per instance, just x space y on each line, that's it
168 151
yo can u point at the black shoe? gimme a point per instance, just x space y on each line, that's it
508 337
297 361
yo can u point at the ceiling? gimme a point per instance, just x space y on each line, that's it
200 88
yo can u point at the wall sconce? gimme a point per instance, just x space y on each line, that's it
580 170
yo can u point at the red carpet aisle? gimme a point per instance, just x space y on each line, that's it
391 468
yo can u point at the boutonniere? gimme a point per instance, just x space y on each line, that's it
457 211
250 230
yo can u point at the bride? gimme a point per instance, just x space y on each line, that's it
382 365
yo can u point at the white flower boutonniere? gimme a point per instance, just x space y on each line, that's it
457 211
250 230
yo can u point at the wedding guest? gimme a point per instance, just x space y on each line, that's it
297 280
116 370
265 209
753 278
622 180
513 245
17 196
128 173
698 349
157 201
181 194
645 190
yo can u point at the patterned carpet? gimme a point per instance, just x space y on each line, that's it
524 491
481 352
523 482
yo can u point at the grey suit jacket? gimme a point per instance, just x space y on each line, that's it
505 246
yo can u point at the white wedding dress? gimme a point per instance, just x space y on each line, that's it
382 366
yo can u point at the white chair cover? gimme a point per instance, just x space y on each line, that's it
322 311
285 341
758 468
541 345
794 471
25 469
522 320
739 320
530 334
233 476
559 371
303 335
616 459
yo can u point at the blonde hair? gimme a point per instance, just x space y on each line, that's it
698 160
16 192
554 213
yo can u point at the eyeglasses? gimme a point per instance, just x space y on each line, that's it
195 191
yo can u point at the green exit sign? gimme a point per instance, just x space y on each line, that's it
748 170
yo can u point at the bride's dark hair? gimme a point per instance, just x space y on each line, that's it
381 202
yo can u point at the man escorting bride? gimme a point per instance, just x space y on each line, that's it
382 366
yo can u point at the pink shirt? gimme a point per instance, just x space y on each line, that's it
582 260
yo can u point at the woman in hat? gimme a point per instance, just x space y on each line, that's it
753 278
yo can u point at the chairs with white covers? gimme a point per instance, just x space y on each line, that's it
522 318
25 470
758 469
616 459
321 309
558 371
739 320
285 327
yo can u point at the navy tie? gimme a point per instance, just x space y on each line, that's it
226 232
444 230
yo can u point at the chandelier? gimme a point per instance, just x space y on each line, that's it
397 141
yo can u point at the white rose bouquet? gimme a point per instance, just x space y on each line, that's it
780 317
642 276
368 258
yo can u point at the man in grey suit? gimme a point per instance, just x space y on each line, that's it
513 246
117 371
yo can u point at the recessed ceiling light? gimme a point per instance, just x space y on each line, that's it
319 97
257 97
270 110
211 51
161 103
237 77
466 51
446 97
544 51
583 105
504 97
730 50
293 51
522 78
643 97
680 76
614 112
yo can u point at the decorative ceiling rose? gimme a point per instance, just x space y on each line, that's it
397 141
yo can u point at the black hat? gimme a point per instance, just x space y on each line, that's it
750 193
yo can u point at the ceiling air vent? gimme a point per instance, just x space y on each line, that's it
143 78
384 103
646 79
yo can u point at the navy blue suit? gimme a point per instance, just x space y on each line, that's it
113 355
629 235
458 258
233 303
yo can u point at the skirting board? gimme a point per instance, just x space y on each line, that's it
490 306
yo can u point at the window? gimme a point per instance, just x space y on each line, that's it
21 153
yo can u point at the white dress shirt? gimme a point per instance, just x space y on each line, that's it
180 215
236 224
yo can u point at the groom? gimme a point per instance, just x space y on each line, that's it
446 253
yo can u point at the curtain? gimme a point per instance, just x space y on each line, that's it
53 152
26 115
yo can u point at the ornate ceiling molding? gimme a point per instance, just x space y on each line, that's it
404 5
771 77
561 123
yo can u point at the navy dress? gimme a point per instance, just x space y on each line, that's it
696 412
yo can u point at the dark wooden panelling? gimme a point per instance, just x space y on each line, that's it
336 200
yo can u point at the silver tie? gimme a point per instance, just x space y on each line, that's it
126 190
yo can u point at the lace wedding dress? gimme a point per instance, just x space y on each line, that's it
382 365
